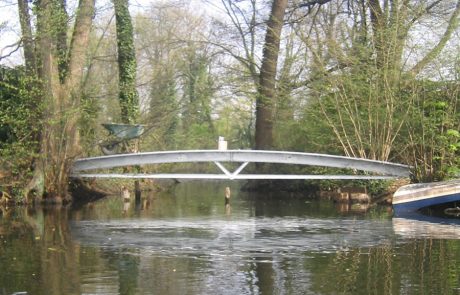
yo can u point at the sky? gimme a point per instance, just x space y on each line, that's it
10 35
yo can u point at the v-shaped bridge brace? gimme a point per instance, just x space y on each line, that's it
231 175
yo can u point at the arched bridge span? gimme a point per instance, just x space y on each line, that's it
384 169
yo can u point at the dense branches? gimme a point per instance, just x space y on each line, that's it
60 70
366 78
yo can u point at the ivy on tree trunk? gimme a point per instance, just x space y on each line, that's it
60 70
128 96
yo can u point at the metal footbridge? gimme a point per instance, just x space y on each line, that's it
373 169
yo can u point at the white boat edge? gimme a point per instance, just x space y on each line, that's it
421 191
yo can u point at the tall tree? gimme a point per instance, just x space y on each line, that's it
61 72
127 66
177 68
158 33
243 17
27 37
198 90
267 79
365 63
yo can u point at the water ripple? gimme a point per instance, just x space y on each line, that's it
257 236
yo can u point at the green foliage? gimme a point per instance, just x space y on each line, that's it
374 187
433 135
197 125
90 109
362 110
164 110
19 124
416 123
236 127
198 90
198 136
182 122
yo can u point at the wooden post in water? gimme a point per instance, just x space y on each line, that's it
137 186
125 194
228 208
137 192
227 195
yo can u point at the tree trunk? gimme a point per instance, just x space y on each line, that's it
60 97
127 67
267 84
27 40
129 100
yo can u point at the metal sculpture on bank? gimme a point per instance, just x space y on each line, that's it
119 136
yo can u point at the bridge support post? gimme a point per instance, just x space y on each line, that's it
230 175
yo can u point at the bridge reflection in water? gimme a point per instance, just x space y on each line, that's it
185 243
384 170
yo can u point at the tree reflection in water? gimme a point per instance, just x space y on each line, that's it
189 242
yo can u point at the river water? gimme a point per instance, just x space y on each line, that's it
186 241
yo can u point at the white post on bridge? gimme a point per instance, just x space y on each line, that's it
222 144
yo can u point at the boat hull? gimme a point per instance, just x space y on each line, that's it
411 198
408 207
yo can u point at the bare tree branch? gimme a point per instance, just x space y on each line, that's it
16 46
451 27
423 12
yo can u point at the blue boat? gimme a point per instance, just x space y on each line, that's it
412 197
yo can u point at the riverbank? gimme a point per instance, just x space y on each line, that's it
375 192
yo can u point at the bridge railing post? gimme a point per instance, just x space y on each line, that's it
222 144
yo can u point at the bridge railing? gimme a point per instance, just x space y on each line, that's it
245 157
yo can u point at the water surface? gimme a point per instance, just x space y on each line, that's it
188 242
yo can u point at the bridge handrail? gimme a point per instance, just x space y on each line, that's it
261 156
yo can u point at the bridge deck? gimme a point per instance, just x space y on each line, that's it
387 169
